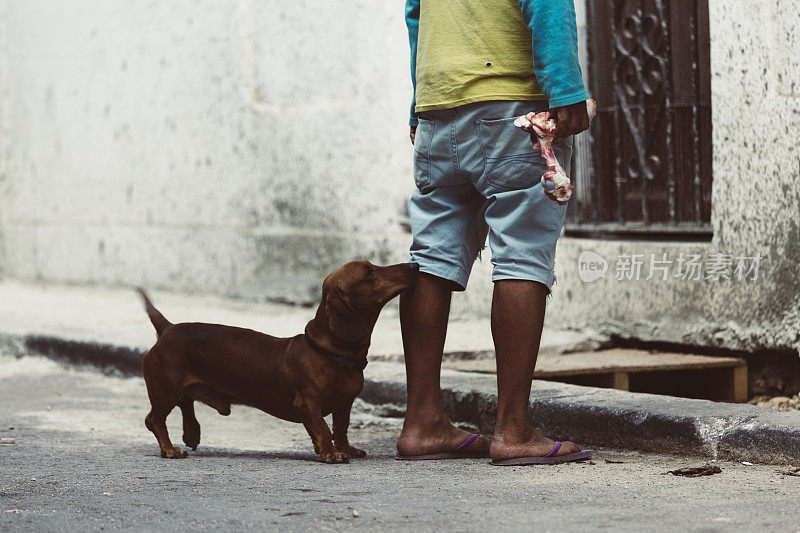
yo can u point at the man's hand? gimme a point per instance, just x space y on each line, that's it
412 134
570 120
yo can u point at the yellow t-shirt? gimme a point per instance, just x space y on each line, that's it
473 51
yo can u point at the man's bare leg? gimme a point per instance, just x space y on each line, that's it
517 319
424 311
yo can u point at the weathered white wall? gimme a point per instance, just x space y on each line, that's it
755 63
234 147
4 132
246 148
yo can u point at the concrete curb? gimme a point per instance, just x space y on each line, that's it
591 416
615 419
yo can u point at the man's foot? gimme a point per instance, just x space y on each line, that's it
440 438
530 444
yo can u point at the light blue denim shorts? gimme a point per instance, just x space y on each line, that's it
476 173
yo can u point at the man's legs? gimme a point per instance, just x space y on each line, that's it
496 185
518 308
424 311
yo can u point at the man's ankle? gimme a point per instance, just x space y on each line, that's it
424 421
513 431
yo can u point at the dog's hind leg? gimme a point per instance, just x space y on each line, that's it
191 427
163 399
156 421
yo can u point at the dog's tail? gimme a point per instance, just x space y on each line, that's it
158 320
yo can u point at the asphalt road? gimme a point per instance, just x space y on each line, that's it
82 459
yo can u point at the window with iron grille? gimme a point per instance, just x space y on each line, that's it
646 170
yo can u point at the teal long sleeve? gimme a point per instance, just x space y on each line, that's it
412 22
555 49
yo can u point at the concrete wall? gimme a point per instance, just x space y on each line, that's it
246 148
755 205
4 132
240 148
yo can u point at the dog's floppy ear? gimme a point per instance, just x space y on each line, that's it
338 328
344 322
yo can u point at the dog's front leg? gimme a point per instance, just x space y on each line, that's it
341 421
311 413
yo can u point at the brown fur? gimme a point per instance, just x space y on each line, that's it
290 378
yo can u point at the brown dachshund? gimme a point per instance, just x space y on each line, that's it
300 379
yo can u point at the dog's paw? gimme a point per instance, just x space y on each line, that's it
192 440
174 453
352 451
336 457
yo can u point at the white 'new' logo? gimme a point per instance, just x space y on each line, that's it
591 266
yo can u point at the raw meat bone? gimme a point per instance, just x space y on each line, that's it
555 182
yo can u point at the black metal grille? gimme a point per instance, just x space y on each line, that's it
649 172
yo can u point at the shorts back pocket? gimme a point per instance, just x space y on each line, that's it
422 153
510 162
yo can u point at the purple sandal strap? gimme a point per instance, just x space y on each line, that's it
467 442
554 450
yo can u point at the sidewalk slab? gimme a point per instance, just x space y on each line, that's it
107 328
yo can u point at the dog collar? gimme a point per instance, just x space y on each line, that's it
338 359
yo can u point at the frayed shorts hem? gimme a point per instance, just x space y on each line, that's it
443 270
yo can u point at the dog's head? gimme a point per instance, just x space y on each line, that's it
352 298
